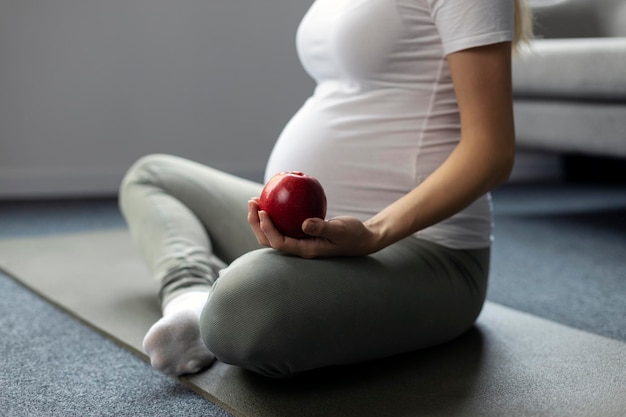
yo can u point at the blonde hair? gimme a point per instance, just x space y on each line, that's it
523 24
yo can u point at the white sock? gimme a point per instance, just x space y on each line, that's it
173 343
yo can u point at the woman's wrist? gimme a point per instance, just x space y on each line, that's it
379 234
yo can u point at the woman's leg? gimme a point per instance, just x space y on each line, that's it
183 215
279 315
187 220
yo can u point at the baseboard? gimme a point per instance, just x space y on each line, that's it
74 182
60 182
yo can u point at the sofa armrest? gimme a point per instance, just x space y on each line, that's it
579 18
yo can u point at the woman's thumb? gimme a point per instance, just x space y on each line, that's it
313 227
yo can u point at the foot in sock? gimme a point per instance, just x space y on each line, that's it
174 343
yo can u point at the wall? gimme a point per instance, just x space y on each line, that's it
88 86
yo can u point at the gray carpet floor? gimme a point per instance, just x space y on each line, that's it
52 365
558 254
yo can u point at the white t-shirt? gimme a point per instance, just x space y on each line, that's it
384 114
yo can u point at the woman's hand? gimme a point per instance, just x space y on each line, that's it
339 236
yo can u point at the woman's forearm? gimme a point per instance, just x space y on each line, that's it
467 174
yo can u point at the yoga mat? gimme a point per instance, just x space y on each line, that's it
510 363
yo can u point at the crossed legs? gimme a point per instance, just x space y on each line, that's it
273 313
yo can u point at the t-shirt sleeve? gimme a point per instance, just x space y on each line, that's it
466 24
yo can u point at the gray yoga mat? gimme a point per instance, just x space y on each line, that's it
510 363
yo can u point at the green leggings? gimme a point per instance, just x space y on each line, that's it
277 314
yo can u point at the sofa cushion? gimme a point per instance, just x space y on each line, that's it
590 128
582 68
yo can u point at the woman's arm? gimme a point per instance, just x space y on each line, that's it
484 156
482 160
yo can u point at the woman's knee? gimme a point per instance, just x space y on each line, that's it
246 319
143 172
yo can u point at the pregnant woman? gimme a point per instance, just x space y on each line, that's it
409 128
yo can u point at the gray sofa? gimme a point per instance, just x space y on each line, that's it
570 83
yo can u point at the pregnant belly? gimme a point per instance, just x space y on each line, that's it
363 164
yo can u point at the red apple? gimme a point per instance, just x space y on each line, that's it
290 198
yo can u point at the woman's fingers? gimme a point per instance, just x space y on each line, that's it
255 223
